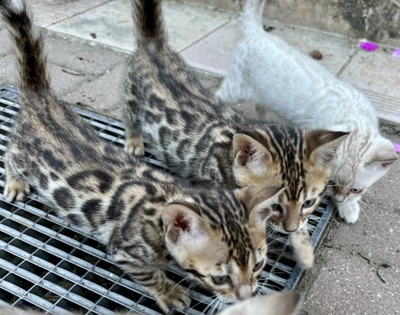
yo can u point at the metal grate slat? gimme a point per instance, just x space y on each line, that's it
49 264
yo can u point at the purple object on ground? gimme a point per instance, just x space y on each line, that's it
396 53
368 46
396 147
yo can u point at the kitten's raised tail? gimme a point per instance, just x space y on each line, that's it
252 15
148 20
31 61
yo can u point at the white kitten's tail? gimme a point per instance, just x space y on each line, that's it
252 14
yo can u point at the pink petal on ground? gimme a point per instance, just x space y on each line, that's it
368 46
396 147
396 53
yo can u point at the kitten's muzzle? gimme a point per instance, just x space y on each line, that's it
244 292
290 227
339 198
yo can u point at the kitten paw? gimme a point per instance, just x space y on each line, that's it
305 259
15 189
349 211
176 299
134 145
302 248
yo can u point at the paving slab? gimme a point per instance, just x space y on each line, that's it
62 79
378 74
102 94
5 47
379 225
111 24
8 70
213 53
348 284
81 56
375 71
48 12
358 266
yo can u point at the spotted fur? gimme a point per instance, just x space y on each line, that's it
148 218
209 144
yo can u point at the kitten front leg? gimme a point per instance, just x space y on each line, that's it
168 294
15 188
349 211
302 247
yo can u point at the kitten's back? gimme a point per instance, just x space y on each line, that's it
263 66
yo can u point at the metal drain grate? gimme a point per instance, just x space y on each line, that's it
46 263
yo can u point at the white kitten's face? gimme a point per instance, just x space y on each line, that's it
354 180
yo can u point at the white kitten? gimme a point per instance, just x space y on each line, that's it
266 70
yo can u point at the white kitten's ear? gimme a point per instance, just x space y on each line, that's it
383 154
284 303
250 153
182 224
322 145
258 202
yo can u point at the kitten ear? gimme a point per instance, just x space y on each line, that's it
182 224
322 145
283 303
258 202
383 153
250 153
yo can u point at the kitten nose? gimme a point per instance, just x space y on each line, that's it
339 198
290 226
244 292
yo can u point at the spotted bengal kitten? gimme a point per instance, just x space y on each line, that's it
210 144
148 218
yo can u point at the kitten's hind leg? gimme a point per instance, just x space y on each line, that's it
15 188
133 139
302 247
134 143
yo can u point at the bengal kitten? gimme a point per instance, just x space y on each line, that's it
148 218
209 144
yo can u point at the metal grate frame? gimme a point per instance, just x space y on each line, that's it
49 264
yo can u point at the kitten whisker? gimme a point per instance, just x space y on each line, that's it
215 306
367 205
266 288
209 306
178 283
205 300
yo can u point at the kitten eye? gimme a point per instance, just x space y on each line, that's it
258 266
220 280
331 183
277 208
356 190
309 203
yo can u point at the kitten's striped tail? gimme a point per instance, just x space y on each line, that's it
29 44
252 14
148 20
